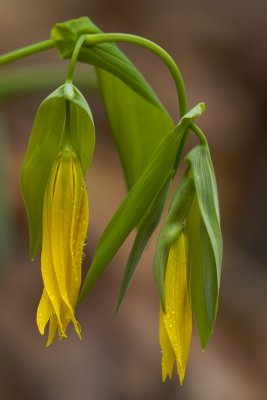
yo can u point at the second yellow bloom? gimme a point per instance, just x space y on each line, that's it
175 325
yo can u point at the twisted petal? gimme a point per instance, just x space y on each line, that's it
65 221
178 316
168 355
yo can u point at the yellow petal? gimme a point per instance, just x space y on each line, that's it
80 219
47 268
65 222
62 213
52 329
44 311
178 316
168 356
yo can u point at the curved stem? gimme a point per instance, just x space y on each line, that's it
199 134
26 51
174 70
74 57
202 138
93 39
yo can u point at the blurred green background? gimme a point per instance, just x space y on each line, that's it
221 50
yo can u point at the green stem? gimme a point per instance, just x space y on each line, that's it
26 51
199 134
166 58
202 138
174 70
74 57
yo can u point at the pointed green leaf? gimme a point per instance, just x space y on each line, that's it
202 272
145 231
170 231
136 124
105 55
205 242
63 117
139 199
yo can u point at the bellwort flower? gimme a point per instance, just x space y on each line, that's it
65 222
175 325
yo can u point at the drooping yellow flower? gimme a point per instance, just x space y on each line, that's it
65 222
175 325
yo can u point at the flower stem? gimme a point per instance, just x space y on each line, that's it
169 62
26 51
93 39
74 57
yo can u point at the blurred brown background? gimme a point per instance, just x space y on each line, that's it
221 50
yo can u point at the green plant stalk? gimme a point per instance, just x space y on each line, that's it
199 134
74 57
171 65
159 51
26 51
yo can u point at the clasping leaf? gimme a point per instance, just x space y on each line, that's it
63 119
205 242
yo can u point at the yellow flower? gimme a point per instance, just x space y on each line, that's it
65 222
175 325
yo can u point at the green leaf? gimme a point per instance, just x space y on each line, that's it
64 118
137 125
139 199
145 231
202 272
205 243
171 229
105 55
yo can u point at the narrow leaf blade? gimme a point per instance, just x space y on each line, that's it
142 238
202 271
138 200
205 241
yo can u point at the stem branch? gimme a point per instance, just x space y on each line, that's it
169 62
74 57
26 51
159 51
